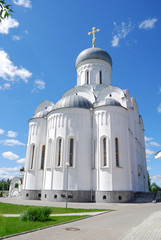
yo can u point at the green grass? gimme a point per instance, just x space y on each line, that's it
6 208
12 225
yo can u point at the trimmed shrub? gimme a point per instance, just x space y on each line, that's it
36 214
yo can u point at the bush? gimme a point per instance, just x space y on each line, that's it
36 214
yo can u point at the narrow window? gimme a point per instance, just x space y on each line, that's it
71 152
59 152
32 158
104 152
100 77
87 77
117 152
42 157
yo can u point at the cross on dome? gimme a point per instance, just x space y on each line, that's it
93 32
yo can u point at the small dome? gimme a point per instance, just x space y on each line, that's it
43 109
73 101
108 102
93 53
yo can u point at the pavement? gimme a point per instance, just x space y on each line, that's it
129 221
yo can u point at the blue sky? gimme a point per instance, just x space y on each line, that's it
38 48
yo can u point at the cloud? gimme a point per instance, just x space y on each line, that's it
121 32
10 72
147 139
10 155
2 131
159 108
8 23
156 176
9 172
24 3
149 152
148 168
148 24
5 86
40 84
16 37
12 134
12 142
155 144
21 161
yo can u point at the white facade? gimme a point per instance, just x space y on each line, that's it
97 129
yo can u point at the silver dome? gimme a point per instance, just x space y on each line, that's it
73 101
108 102
93 53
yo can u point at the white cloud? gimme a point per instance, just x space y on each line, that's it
148 168
156 176
121 32
10 169
12 134
12 142
149 152
115 41
159 108
5 86
148 24
9 172
147 139
40 84
21 161
24 3
10 155
16 37
8 23
155 144
10 72
2 131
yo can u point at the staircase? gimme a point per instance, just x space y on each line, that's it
144 197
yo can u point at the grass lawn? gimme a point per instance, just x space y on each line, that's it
6 208
12 225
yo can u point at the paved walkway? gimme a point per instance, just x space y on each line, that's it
129 221
62 214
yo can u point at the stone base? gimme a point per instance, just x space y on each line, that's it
79 196
114 196
31 194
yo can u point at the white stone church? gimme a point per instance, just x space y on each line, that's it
96 129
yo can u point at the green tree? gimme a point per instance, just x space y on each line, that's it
5 10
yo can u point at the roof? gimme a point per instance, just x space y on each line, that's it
108 102
73 101
93 53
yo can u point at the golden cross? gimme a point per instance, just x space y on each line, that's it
93 32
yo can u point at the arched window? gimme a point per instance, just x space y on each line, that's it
87 73
117 151
104 153
71 148
32 156
59 152
42 157
100 77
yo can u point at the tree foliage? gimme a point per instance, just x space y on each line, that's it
152 186
4 184
5 10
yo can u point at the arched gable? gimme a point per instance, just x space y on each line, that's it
114 93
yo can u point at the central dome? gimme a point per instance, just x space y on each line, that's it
93 53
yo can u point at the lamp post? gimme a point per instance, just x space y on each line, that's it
67 165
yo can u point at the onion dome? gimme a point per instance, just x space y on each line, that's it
73 101
93 53
108 102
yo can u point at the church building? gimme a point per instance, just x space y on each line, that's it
90 142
